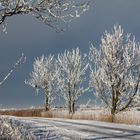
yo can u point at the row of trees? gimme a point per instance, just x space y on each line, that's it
112 71
51 12
62 76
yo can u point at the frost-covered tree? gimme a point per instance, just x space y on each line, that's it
43 77
115 70
51 12
72 66
19 61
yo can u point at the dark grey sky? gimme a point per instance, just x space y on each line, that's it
28 35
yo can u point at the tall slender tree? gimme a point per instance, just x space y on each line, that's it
72 66
43 77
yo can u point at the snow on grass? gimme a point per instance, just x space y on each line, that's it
11 128
15 128
22 128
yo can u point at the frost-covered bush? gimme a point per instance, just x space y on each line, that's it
13 129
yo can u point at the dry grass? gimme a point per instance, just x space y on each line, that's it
97 115
23 112
56 114
128 117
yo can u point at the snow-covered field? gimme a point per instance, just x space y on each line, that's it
64 129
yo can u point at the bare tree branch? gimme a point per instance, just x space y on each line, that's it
51 12
19 61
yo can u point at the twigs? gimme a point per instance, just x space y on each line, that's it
21 60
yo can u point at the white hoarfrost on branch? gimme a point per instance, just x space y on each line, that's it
43 77
51 12
115 70
21 60
72 66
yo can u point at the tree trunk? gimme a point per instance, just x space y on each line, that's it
47 98
69 107
69 100
46 103
113 109
112 115
73 107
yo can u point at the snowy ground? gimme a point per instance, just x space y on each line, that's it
59 129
